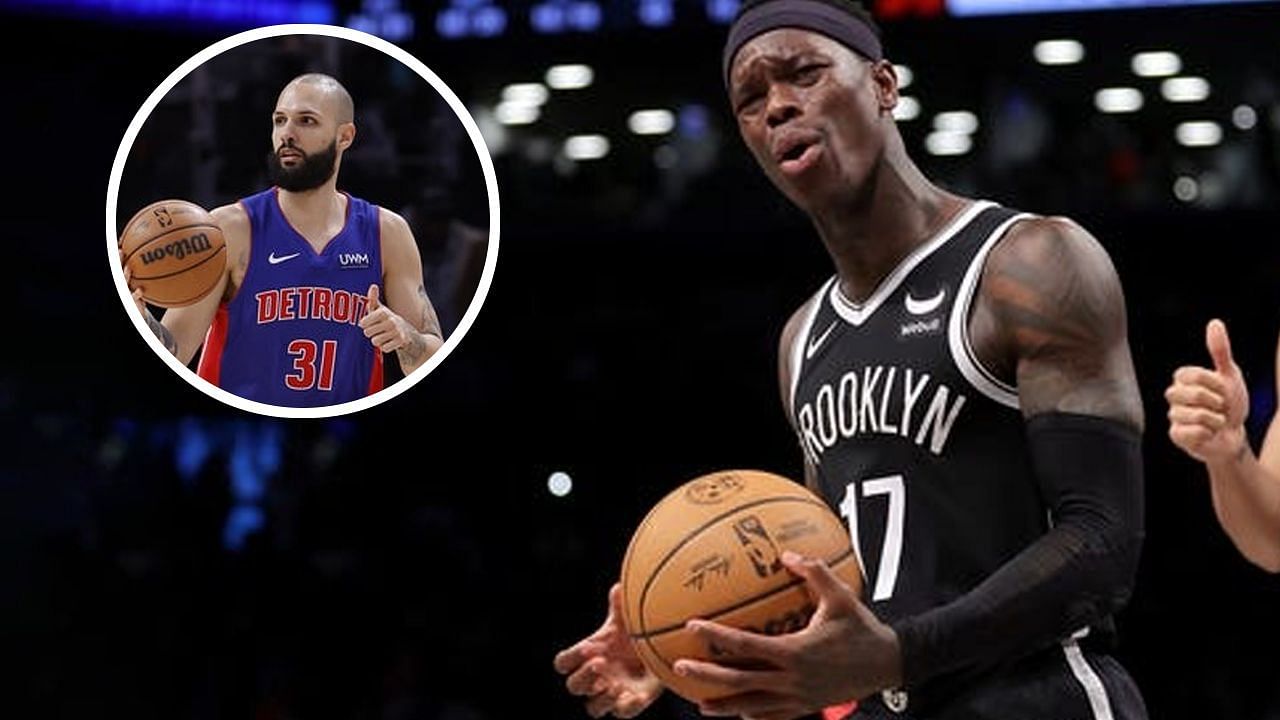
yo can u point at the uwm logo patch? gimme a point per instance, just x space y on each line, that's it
352 261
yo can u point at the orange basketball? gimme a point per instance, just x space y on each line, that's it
711 549
176 252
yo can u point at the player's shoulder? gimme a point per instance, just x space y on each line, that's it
391 220
231 214
1050 245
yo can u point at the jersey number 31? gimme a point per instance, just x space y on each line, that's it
312 365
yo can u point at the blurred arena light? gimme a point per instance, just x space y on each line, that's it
586 147
557 16
907 109
1159 63
1244 117
525 93
383 18
1199 133
947 143
722 11
1186 189
560 483
656 13
906 76
1185 89
471 18
960 122
516 113
1058 52
569 77
651 122
1118 100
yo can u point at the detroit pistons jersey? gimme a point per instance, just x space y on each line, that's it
291 336
920 449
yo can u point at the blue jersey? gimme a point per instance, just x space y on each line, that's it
291 335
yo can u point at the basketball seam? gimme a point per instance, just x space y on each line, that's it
129 256
657 569
648 639
737 606
185 269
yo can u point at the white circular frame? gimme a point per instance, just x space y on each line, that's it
490 180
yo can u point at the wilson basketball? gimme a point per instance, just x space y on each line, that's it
712 550
176 252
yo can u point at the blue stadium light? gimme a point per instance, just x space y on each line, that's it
722 11
488 21
363 23
693 121
584 16
379 7
194 12
451 23
656 13
547 18
397 27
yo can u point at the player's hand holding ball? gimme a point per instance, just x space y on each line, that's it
844 652
385 329
1208 407
604 668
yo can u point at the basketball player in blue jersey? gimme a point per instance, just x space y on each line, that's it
964 396
319 284
1207 410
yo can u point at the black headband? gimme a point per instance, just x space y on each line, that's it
820 17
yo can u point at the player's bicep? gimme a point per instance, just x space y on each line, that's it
1061 312
402 275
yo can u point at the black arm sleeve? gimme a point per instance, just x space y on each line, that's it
1090 473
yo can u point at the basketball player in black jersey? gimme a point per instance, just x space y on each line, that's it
964 397
1207 410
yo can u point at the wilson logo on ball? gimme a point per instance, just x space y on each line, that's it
760 548
179 249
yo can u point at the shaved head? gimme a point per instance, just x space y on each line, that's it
334 95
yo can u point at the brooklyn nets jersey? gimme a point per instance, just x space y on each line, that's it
920 449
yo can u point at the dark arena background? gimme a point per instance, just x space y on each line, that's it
163 555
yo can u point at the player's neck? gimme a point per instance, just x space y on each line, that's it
869 236
315 213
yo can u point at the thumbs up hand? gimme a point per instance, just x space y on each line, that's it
1208 407
385 329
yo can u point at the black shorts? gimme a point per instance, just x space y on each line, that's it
1062 683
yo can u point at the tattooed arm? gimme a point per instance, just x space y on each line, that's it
182 330
1050 314
407 323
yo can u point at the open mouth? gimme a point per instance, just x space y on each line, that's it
794 152
798 157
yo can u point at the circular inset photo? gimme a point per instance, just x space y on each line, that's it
302 220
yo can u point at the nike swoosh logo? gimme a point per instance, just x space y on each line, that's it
277 260
816 343
924 307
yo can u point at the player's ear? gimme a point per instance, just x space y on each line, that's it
346 135
885 79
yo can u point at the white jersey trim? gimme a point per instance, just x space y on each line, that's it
798 344
1094 690
982 379
858 313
